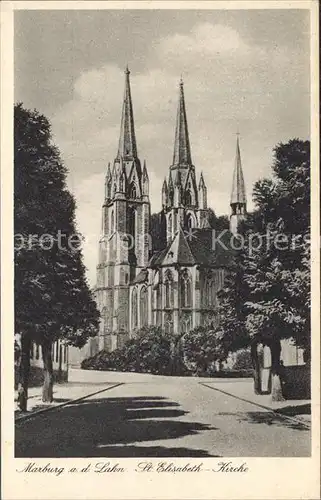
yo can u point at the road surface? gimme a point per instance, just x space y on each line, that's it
150 416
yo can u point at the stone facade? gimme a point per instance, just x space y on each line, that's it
175 288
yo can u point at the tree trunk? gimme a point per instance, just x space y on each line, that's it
47 388
24 372
256 369
276 383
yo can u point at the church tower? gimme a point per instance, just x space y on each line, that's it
184 202
238 195
124 247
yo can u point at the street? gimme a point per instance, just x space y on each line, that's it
156 416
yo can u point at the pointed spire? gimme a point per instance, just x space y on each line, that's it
182 150
127 139
145 173
238 194
201 184
164 193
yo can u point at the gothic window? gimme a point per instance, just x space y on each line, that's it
134 309
37 351
210 290
115 189
169 291
168 323
112 221
186 323
188 198
189 222
158 298
169 228
133 191
131 229
143 307
186 290
175 222
121 184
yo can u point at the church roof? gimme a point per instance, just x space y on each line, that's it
196 247
238 194
127 140
178 251
182 150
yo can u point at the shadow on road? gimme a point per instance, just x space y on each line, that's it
292 411
268 418
108 427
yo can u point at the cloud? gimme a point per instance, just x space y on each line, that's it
229 85
205 40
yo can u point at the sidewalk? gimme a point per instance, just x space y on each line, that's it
62 394
243 389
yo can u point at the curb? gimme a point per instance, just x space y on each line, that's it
60 405
286 417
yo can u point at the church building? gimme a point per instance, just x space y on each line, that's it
174 288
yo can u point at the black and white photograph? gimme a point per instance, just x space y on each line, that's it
162 180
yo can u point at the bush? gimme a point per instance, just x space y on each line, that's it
149 352
201 348
243 360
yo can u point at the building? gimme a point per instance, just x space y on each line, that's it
174 288
60 362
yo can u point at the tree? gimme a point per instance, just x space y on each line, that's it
158 230
52 297
219 223
266 295
278 273
201 347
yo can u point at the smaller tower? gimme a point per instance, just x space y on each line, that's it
164 193
238 195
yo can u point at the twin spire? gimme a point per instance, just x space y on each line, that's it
182 149
127 147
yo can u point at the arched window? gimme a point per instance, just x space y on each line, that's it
169 226
134 309
112 221
169 291
210 290
186 290
131 230
121 183
115 189
168 323
175 222
143 307
37 351
186 323
133 191
188 198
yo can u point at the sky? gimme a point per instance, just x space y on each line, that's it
245 71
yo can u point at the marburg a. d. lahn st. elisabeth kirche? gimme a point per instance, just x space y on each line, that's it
174 288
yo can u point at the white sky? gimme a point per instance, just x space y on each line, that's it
243 70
